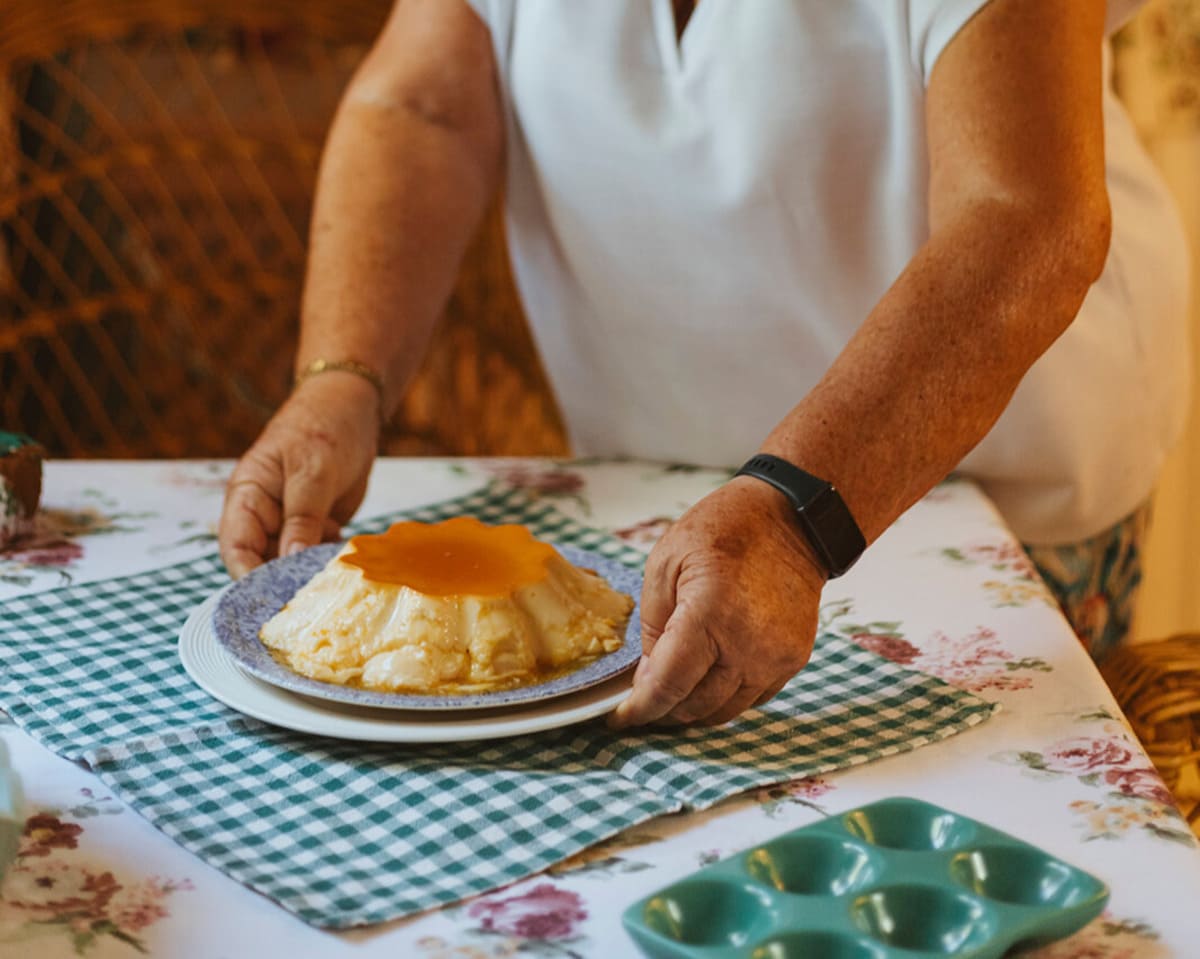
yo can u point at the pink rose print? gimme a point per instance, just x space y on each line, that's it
542 913
1019 583
1086 754
1006 556
49 890
1109 937
799 792
1077 947
976 662
46 888
889 647
61 553
52 548
201 477
813 787
141 904
536 479
43 833
645 534
1132 796
1116 815
1142 783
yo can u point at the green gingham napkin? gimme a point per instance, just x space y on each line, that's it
346 833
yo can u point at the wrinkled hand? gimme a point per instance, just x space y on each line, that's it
304 476
729 610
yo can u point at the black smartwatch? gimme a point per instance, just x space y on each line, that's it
820 509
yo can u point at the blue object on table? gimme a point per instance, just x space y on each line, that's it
12 819
896 878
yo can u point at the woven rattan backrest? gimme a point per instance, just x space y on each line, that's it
157 160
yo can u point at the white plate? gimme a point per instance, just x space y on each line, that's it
214 671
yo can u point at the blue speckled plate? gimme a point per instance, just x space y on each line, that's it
251 601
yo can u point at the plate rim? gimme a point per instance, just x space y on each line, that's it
267 670
321 717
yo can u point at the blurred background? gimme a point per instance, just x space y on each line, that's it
157 160
1157 73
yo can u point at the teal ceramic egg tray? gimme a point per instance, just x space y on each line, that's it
898 879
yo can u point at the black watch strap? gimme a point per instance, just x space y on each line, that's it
820 509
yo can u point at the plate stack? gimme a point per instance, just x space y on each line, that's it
221 651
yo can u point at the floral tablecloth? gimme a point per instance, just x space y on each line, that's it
946 591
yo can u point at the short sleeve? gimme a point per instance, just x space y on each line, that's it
482 8
497 17
932 24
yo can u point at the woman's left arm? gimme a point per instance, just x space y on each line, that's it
1019 230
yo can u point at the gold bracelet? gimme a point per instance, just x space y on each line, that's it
345 366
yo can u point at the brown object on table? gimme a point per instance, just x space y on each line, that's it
20 485
1158 687
157 165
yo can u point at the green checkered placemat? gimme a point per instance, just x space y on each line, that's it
345 834
96 664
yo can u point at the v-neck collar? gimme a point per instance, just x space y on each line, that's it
674 47
682 9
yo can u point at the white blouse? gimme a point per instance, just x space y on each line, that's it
697 227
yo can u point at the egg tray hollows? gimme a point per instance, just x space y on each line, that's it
897 879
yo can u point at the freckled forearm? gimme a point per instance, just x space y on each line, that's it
1019 230
398 200
937 360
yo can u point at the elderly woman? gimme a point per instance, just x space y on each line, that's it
871 241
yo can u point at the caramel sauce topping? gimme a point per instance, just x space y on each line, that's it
457 557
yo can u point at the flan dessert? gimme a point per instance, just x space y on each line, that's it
448 608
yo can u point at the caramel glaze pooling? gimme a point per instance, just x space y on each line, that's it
457 557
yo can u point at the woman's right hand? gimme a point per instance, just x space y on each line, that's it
305 475
413 158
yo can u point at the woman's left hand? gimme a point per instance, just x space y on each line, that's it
729 609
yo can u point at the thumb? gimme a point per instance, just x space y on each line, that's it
666 677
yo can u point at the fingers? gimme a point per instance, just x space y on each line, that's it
346 505
308 494
679 660
267 512
744 698
249 531
305 475
249 525
729 611
686 680
658 597
716 689
769 694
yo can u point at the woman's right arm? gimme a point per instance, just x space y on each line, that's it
412 161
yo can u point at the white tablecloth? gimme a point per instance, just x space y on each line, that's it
947 591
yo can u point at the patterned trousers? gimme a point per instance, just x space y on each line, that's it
1096 580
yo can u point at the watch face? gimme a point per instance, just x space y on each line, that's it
842 542
822 512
